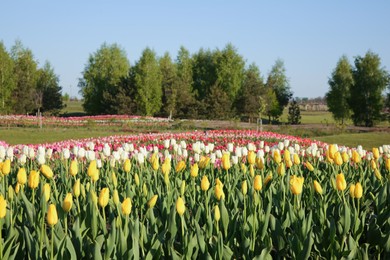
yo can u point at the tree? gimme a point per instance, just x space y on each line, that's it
169 85
294 113
25 75
147 81
271 105
204 73
278 82
218 103
49 90
248 98
7 81
102 76
370 80
339 93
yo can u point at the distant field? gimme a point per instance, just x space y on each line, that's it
73 108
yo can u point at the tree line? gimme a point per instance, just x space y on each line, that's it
357 92
24 86
212 84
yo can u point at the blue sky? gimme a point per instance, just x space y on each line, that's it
309 36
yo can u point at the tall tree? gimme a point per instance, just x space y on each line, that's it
147 81
248 98
204 73
339 93
7 81
102 76
370 79
49 90
271 105
218 103
169 85
185 101
294 113
278 82
25 74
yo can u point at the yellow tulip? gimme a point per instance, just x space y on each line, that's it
251 170
356 157
115 197
345 157
281 170
194 170
217 213
243 167
145 189
218 182
317 187
17 188
204 162
76 188
92 168
341 184
126 206
166 167
104 196
127 165
375 153
74 167
286 156
95 175
268 178
352 190
155 162
251 157
10 193
22 176
226 161
180 207
378 175
205 184
338 160
276 156
46 191
182 187
387 164
152 202
332 150
180 166
68 202
3 207
296 184
358 190
33 179
297 161
114 179
244 187
309 166
289 163
218 191
136 179
46 171
52 217
260 163
6 168
257 185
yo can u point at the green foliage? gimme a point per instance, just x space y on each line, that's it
294 113
169 85
147 80
7 80
340 84
105 69
370 80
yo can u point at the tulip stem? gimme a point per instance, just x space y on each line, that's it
1 239
52 243
41 238
33 196
182 234
66 224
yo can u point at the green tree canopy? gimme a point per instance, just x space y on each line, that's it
370 80
338 95
7 80
169 85
147 80
102 76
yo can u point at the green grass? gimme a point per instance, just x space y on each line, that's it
73 108
367 140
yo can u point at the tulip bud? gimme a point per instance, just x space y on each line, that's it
17 188
180 166
52 217
67 203
115 197
104 196
95 175
226 161
338 160
6 169
204 162
377 174
260 163
244 187
358 192
114 180
281 170
219 194
375 153
76 188
126 206
352 190
345 157
251 157
243 167
268 178
317 187
276 156
3 207
332 150
183 187
33 179
166 166
309 166
127 165
152 201
204 184
74 167
82 190
296 184
136 179
194 170
22 176
356 157
180 207
257 184
46 191
217 213
145 190
251 170
10 193
340 182
46 171
297 161
92 168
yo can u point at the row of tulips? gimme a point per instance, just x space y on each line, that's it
245 198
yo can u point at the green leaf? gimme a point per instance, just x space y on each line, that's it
135 238
70 248
200 237
97 254
305 253
266 220
224 216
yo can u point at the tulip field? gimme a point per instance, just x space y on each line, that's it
217 194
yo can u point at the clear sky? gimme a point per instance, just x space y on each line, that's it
309 36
